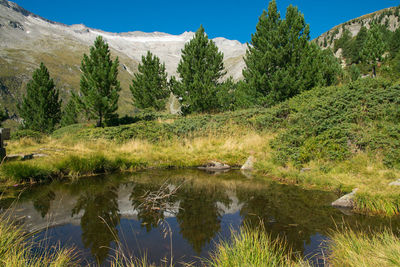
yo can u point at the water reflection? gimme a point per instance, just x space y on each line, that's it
95 213
200 215
151 210
42 202
99 220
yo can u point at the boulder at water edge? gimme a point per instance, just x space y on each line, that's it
248 165
346 201
214 166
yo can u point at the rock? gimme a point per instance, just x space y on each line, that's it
39 155
395 183
14 156
305 170
249 164
346 201
214 166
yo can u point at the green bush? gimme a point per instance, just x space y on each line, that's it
67 130
330 123
15 135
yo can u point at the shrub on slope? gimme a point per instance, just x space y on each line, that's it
332 123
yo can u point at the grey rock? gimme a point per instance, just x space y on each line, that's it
214 166
249 164
39 155
16 25
14 156
346 201
305 170
395 183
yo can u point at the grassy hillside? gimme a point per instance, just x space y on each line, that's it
63 59
345 137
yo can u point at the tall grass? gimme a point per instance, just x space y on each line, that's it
388 204
253 247
23 171
16 249
350 248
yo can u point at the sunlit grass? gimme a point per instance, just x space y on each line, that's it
253 247
350 248
72 157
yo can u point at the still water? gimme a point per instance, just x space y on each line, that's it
183 212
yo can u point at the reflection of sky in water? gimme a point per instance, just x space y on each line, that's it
138 241
209 208
314 249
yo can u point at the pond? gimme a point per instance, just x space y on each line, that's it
183 212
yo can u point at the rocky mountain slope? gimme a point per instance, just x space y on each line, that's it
390 17
27 39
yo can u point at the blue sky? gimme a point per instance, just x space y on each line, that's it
232 19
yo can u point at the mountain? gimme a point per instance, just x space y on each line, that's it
390 17
27 39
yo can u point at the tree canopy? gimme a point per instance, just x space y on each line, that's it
373 48
41 107
200 71
280 61
99 85
150 86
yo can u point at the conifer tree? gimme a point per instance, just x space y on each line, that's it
278 63
200 70
358 44
150 86
41 107
394 45
373 48
69 114
99 85
262 52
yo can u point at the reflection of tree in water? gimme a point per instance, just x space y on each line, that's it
100 219
151 210
43 201
199 215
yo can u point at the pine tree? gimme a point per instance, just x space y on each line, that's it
346 42
200 69
280 62
150 86
358 44
261 55
394 45
41 107
99 85
69 114
373 48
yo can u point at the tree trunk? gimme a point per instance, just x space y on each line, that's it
374 71
99 122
